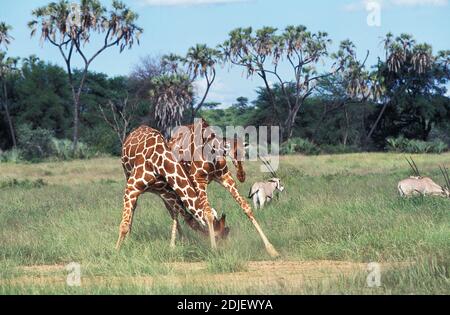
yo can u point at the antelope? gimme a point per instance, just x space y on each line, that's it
262 192
420 185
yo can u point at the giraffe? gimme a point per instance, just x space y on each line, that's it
150 166
191 145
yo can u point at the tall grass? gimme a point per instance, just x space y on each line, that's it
341 207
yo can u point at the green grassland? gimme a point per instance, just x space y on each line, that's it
335 208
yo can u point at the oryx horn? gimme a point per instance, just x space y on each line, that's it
413 166
268 166
444 172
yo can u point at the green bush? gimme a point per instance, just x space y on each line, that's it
35 144
402 144
11 156
63 150
299 145
38 144
439 146
26 183
395 144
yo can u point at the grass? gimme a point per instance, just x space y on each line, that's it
340 207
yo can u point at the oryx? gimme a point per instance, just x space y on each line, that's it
420 185
262 192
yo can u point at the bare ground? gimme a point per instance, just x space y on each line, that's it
278 274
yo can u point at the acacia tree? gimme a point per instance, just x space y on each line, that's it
354 84
265 51
70 27
8 66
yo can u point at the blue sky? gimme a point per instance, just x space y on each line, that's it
175 25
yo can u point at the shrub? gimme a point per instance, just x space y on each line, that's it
299 145
395 144
27 184
35 144
63 150
11 156
402 144
439 146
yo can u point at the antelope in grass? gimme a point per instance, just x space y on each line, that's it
419 185
262 192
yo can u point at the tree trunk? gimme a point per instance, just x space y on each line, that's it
76 108
8 117
291 119
374 127
76 120
194 111
289 127
347 126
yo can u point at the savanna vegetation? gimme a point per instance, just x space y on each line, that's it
345 128
331 100
338 213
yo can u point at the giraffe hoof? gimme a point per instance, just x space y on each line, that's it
272 251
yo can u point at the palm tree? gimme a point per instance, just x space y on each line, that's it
201 61
69 27
8 66
5 37
171 94
403 57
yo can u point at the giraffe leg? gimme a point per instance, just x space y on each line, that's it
228 182
180 231
201 187
175 207
174 233
130 198
212 234
137 184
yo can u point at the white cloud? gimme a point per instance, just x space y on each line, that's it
361 5
186 2
219 92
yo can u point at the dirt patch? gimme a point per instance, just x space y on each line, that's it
271 274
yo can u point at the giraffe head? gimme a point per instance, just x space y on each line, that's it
221 231
220 228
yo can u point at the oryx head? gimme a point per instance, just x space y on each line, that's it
275 179
277 183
